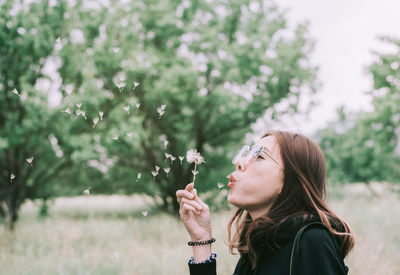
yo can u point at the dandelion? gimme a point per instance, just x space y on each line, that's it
127 109
220 185
29 160
157 168
95 121
165 143
135 84
154 173
181 158
194 156
144 213
115 137
139 175
12 177
101 115
15 92
87 192
67 110
167 170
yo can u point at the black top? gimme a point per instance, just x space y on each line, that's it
317 254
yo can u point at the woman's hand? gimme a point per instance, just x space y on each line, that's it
194 213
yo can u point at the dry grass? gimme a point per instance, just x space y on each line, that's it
109 235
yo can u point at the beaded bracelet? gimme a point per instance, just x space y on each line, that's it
201 242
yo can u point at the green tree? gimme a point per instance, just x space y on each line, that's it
36 144
217 67
364 147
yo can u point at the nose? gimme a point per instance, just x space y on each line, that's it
241 165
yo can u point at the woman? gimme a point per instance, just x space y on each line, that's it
279 188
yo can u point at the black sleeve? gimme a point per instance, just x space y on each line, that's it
203 269
318 255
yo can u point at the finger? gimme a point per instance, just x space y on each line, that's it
183 194
189 187
198 200
192 203
187 208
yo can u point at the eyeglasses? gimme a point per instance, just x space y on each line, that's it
251 153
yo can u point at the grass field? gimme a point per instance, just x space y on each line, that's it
110 235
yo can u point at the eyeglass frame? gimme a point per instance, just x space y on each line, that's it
256 154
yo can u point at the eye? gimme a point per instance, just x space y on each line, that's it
260 157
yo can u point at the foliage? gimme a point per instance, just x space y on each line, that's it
364 147
214 68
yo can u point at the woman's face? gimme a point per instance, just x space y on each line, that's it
256 185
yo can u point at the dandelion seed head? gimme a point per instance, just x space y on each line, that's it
193 156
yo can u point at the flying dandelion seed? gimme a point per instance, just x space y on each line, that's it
83 114
172 159
160 111
220 185
12 177
166 170
67 110
15 92
165 143
116 255
167 156
115 137
129 134
101 115
193 156
29 160
154 173
181 158
135 84
79 105
87 192
138 177
194 172
127 109
58 40
137 105
157 168
95 121
116 50
228 177
121 85
144 213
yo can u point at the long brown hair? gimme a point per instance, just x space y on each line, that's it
303 194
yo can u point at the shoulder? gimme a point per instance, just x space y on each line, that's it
317 239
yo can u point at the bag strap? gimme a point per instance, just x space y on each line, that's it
297 241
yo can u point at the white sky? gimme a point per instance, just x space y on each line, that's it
346 32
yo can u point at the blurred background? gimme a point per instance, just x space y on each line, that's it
101 100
